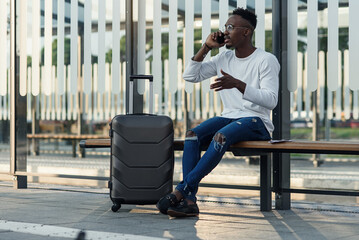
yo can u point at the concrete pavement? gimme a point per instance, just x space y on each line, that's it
46 211
61 212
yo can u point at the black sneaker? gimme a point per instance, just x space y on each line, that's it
170 200
183 210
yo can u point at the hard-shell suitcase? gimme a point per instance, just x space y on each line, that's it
142 155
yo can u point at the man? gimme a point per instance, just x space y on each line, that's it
248 86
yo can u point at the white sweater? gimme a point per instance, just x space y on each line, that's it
259 71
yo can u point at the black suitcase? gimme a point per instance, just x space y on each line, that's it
142 155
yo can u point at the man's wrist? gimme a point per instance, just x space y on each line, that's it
241 86
208 47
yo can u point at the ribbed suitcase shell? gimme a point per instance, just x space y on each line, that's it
142 158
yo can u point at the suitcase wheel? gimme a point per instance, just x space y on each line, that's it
115 207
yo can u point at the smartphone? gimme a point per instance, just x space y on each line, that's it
220 39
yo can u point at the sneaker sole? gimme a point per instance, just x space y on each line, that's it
181 214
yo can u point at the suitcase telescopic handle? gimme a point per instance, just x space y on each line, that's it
145 77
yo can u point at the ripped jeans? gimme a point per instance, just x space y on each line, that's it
219 133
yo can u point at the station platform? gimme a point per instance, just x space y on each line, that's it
44 211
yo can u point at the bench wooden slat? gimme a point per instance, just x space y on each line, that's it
301 147
65 136
96 143
262 146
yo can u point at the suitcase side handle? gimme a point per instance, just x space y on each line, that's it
141 76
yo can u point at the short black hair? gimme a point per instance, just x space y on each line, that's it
246 14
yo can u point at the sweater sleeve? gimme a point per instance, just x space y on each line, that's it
267 93
199 71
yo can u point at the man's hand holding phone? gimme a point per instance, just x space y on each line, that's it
215 39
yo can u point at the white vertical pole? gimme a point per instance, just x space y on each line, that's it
355 104
189 33
115 70
101 45
312 68
180 102
141 44
338 94
172 57
35 86
74 47
8 98
60 46
353 45
42 97
260 30
95 93
333 44
306 89
321 81
330 104
300 84
346 85
292 45
166 93
29 96
63 112
292 100
148 89
23 49
53 93
123 88
46 78
3 42
87 47
157 63
206 30
69 94
107 94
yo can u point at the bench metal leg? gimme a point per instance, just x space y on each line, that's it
265 183
281 180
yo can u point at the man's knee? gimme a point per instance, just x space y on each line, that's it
220 138
190 135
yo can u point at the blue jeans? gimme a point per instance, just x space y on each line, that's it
195 167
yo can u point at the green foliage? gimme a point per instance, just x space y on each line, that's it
335 133
29 61
323 39
67 52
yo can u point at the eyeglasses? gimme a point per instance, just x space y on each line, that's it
230 27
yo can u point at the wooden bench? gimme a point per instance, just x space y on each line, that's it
265 150
72 137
